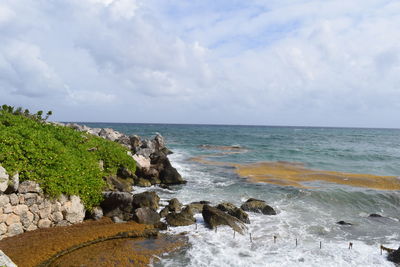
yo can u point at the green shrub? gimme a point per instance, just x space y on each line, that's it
62 160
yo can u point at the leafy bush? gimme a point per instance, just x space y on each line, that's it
60 159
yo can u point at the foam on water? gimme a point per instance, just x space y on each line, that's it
304 215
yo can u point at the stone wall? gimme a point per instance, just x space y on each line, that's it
25 208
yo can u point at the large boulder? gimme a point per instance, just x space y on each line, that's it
117 204
214 217
146 199
234 211
146 216
168 174
185 217
258 206
74 210
141 161
4 178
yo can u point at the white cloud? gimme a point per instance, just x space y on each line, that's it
255 62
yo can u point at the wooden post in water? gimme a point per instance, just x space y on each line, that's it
320 244
296 242
274 239
216 228
381 249
196 226
350 245
234 232
251 239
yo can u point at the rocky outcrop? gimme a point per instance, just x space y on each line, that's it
185 217
153 165
258 206
214 217
234 211
28 209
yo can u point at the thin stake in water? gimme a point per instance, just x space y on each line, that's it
234 232
274 239
320 244
251 239
350 245
296 242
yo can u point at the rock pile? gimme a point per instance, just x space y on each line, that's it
151 156
23 207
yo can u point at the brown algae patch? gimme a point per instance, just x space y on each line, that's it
121 252
35 247
293 174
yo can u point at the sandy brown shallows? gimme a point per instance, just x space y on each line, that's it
34 248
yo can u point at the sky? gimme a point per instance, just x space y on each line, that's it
253 62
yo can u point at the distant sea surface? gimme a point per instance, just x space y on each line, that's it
307 213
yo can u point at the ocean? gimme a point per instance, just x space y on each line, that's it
312 177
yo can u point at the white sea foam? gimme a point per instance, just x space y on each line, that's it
309 224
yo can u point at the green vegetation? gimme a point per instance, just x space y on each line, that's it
62 160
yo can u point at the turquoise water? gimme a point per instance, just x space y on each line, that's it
309 215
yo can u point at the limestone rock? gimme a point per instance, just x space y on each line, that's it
6 261
258 206
214 217
14 200
110 134
31 227
3 228
141 161
4 200
29 187
146 199
30 198
12 219
234 211
57 217
7 208
20 209
74 211
4 178
15 229
3 218
44 223
45 212
146 216
168 174
27 219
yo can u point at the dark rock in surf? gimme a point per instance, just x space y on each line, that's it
234 211
258 206
394 256
197 207
375 216
174 205
344 223
214 217
185 217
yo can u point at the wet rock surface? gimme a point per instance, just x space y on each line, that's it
258 206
